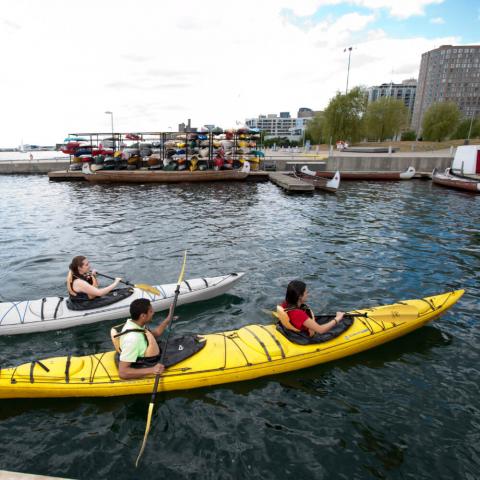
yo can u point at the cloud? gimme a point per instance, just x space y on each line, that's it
153 74
437 20
400 9
11 25
132 57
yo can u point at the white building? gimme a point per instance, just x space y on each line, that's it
282 125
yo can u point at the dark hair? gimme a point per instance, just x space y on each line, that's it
76 264
295 289
139 306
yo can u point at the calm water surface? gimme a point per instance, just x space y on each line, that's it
408 409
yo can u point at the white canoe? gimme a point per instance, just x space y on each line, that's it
52 313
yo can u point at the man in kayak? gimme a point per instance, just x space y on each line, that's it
138 345
82 284
300 315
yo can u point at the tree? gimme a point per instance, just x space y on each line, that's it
464 127
314 131
409 136
385 118
440 121
343 116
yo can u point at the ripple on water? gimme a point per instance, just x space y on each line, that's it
407 409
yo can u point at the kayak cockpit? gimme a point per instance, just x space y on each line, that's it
301 338
113 297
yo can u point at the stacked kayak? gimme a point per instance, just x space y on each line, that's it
53 313
250 352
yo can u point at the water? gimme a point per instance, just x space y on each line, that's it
408 409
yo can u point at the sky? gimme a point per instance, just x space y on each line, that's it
155 64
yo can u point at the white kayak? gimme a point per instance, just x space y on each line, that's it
53 313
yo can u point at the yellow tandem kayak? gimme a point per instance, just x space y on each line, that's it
250 352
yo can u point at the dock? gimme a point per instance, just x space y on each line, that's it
65 175
68 176
289 183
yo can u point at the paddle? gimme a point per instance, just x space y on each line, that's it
141 286
157 377
381 314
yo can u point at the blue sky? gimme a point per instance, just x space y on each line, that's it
156 64
459 18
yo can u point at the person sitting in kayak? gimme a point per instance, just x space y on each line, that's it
138 344
300 315
82 284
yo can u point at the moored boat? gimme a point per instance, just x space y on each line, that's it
320 183
164 176
53 313
459 182
371 175
250 352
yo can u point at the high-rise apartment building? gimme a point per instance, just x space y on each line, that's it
448 74
404 91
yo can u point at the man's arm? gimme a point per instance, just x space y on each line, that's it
157 331
126 372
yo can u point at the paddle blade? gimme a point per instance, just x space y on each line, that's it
147 288
180 278
392 313
147 431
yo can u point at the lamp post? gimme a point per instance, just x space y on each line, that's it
348 69
111 118
470 128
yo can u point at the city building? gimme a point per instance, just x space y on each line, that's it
448 74
283 125
404 91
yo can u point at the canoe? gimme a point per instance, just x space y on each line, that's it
250 352
370 175
459 182
320 183
163 176
52 313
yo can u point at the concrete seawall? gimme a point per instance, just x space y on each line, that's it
366 163
28 167
346 161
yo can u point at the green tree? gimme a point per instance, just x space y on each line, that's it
408 136
464 127
314 131
440 121
343 116
385 118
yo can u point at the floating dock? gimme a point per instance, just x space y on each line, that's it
67 176
289 183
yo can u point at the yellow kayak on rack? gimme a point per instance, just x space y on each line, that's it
250 352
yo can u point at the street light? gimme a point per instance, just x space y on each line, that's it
470 128
111 117
348 70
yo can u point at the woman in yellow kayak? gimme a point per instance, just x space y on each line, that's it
300 315
82 284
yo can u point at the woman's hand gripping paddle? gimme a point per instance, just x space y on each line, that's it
141 286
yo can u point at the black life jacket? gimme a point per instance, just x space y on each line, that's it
141 362
80 296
